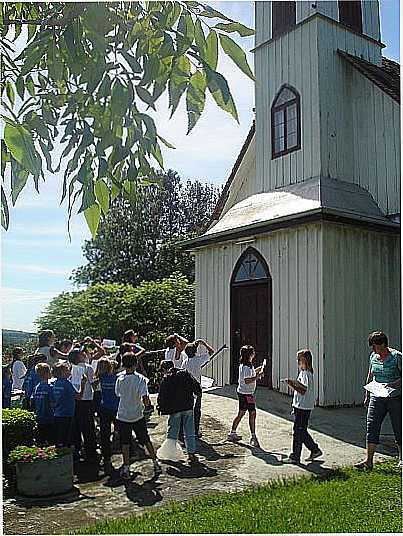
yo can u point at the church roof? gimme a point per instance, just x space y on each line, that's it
386 76
224 194
320 197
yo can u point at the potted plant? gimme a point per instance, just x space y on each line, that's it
42 471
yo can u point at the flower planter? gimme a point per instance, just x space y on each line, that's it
42 478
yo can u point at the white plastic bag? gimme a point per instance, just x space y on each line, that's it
170 450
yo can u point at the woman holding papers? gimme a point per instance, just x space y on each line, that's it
382 395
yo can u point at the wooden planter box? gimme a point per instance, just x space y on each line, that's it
42 478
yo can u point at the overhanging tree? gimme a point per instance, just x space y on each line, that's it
83 77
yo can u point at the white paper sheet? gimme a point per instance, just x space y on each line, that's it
108 343
378 389
206 382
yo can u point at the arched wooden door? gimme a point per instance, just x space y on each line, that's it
251 312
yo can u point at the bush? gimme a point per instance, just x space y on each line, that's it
33 454
19 426
153 309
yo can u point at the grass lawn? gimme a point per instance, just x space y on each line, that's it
346 501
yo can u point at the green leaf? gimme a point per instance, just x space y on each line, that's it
10 92
178 82
55 64
200 39
102 195
46 154
166 143
186 32
20 87
134 64
220 91
145 96
235 52
92 215
195 98
213 14
211 56
232 27
29 84
5 215
19 177
20 144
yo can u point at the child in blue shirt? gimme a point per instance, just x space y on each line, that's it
106 379
43 403
31 380
7 384
65 396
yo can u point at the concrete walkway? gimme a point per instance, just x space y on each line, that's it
224 466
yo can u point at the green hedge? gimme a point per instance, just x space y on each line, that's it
19 426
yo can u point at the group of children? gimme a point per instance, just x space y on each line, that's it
68 384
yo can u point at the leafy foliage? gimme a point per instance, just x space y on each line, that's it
154 309
33 454
18 427
87 79
138 240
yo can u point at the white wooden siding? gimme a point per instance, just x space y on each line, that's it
370 19
359 123
291 59
263 22
361 293
294 260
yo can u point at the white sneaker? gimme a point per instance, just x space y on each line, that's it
125 472
233 436
254 442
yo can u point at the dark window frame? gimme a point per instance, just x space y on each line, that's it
350 20
276 19
282 108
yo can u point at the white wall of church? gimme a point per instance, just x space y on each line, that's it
359 123
361 293
291 59
295 261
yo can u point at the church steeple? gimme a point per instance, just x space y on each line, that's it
280 17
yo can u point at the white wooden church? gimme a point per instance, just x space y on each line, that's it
303 249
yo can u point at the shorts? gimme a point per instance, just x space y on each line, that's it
125 431
246 402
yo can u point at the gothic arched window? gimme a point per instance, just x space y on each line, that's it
250 268
285 122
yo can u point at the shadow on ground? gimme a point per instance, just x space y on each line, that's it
346 424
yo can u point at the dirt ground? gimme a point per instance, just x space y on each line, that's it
224 466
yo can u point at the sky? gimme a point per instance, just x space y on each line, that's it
37 256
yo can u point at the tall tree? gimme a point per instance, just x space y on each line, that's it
82 76
138 239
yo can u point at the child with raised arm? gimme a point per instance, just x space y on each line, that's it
174 352
246 390
131 388
303 403
197 356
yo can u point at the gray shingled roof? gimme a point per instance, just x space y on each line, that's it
316 197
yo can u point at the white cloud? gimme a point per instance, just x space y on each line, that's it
36 269
12 296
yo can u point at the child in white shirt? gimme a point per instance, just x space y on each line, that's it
246 389
131 388
303 403
193 362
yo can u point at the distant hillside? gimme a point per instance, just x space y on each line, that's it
13 337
